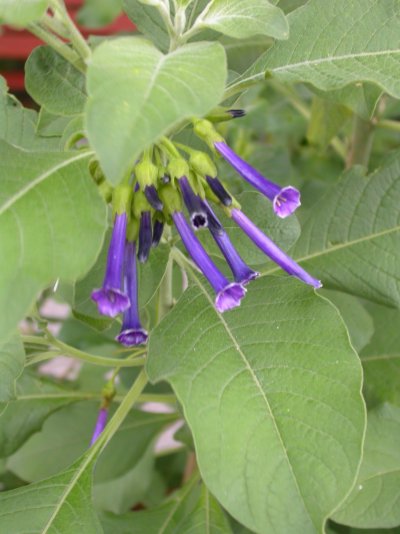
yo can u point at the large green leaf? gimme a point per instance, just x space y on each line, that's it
12 359
22 12
61 504
35 401
351 238
344 47
47 230
67 434
191 509
271 392
381 357
64 90
244 18
140 94
375 499
148 21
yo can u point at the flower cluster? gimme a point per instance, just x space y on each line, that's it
164 181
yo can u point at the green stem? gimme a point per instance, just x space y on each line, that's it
35 340
59 46
77 40
96 360
361 143
41 357
389 125
122 411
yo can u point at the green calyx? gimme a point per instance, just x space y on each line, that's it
206 131
140 204
121 199
202 164
146 173
171 199
132 231
178 167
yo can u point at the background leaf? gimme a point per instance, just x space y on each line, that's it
12 359
64 91
141 94
343 48
271 391
245 18
46 229
375 499
22 12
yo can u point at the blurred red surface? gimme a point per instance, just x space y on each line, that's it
17 45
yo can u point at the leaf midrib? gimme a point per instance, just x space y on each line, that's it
258 385
39 179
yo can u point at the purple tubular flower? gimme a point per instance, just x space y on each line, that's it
110 299
219 191
229 294
272 250
152 197
285 200
132 333
145 236
100 424
158 229
241 272
198 216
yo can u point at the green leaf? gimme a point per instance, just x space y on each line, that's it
46 229
141 93
98 13
381 357
191 509
61 504
342 48
374 501
148 21
23 12
12 359
67 434
64 90
327 118
35 401
358 321
244 18
271 392
351 239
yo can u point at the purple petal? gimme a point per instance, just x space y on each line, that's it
100 424
286 201
132 337
229 297
145 236
158 229
110 301
152 197
198 216
219 191
272 250
277 195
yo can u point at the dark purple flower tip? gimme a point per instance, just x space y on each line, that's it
152 197
100 424
110 301
132 337
199 220
145 237
158 229
229 297
286 201
236 113
219 191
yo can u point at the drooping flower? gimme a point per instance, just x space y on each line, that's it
110 299
198 215
152 197
272 250
219 191
242 273
100 424
228 295
285 200
145 236
132 333
158 228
